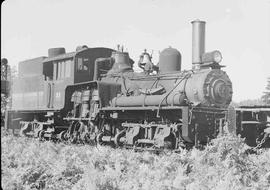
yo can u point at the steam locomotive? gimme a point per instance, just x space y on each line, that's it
94 95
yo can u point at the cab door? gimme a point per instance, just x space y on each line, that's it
62 78
49 91
58 75
49 84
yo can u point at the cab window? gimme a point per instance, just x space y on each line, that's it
82 64
62 69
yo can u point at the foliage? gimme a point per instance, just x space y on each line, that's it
6 99
266 96
263 101
224 164
249 102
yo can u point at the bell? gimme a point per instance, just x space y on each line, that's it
146 58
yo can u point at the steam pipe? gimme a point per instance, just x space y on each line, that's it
198 42
150 100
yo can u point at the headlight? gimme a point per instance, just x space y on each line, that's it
214 56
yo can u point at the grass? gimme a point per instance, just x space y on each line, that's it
224 164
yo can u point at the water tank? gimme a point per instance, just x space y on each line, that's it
169 60
53 52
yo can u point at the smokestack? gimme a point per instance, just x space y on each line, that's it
198 42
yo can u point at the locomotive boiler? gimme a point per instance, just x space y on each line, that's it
94 95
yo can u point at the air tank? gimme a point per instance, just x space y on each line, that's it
169 60
53 52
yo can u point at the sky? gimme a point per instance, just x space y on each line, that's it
239 29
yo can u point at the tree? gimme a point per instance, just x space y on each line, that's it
4 87
266 96
8 75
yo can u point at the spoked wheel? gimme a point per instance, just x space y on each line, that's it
86 137
35 129
41 135
63 136
117 138
99 138
25 127
84 133
92 135
74 137
92 139
73 133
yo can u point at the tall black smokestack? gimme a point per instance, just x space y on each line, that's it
198 42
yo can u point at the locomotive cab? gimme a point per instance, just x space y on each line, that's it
40 87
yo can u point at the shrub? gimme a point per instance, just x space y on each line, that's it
223 164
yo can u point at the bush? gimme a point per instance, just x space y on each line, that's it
224 164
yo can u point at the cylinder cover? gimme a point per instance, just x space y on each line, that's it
169 60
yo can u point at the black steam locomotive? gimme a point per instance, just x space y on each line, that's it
94 95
